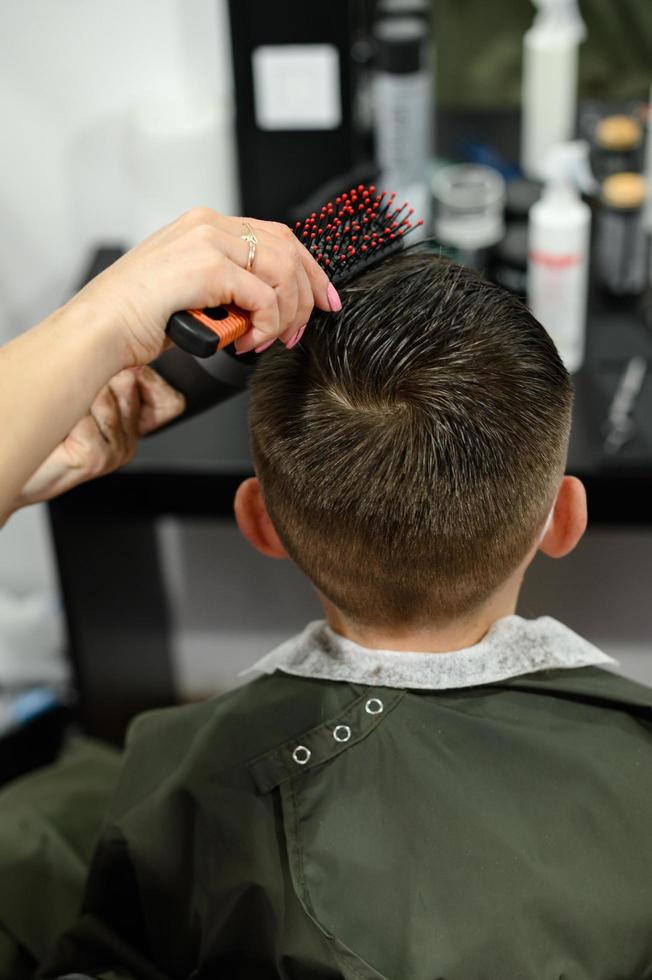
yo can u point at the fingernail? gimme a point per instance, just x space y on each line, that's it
334 300
297 337
263 347
136 368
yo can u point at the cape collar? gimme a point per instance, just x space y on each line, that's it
513 646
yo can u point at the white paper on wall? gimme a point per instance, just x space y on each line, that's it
297 86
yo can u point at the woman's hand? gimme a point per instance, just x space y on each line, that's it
135 402
51 374
198 261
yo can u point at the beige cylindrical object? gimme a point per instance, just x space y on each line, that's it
626 191
619 132
618 145
622 242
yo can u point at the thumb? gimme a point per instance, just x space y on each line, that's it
160 402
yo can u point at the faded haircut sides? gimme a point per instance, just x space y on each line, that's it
410 447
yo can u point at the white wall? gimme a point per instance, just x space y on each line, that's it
70 72
74 74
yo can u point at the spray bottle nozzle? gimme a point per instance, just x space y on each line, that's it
562 13
568 164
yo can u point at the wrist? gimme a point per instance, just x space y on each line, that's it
87 324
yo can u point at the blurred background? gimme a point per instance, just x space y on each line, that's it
118 116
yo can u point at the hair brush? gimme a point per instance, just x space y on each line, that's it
347 236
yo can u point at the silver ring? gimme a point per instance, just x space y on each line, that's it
341 733
374 706
252 241
301 755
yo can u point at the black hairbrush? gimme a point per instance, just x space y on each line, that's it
346 237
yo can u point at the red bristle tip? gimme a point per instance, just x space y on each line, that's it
359 223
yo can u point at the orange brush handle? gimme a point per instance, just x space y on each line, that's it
203 332
234 325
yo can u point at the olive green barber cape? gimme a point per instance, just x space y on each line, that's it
49 823
309 830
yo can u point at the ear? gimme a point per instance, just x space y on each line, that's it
568 519
254 521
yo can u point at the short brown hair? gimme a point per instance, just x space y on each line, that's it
409 448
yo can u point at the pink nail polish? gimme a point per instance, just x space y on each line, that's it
263 347
334 300
293 341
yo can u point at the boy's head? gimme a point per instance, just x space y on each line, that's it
410 448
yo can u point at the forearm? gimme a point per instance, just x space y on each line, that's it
50 375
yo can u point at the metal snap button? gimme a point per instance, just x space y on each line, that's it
341 733
301 755
374 706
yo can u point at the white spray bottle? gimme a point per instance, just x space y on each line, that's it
558 250
549 86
